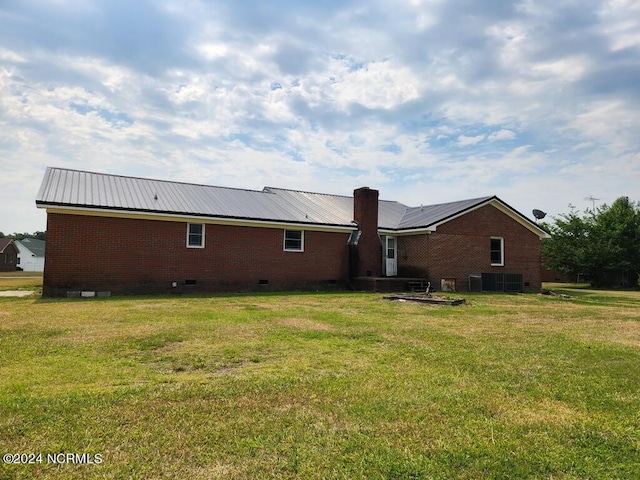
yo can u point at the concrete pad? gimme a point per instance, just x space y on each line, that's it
16 293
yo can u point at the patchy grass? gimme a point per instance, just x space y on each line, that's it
338 385
21 281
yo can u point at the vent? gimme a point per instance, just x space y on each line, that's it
190 283
263 282
475 283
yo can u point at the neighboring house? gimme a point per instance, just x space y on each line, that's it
31 254
132 235
8 255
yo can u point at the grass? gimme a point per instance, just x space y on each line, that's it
339 385
21 281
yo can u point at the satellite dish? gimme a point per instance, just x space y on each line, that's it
539 214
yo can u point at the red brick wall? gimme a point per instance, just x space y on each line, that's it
135 256
365 213
461 247
412 256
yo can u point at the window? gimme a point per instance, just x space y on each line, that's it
497 251
391 247
195 235
293 241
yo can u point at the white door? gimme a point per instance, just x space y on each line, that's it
392 257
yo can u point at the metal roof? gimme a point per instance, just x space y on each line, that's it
427 215
79 189
72 188
324 206
34 245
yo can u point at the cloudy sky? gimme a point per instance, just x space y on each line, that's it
536 101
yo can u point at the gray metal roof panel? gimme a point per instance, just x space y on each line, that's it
65 187
337 209
75 188
427 215
390 214
316 207
36 246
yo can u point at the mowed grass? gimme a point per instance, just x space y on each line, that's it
21 281
332 385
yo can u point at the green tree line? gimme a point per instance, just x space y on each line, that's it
603 244
22 236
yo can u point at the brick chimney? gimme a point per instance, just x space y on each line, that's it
365 213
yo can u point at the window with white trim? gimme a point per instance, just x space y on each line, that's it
294 240
195 235
497 251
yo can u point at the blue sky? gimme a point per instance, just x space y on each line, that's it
428 101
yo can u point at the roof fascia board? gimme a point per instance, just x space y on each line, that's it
504 208
240 222
517 216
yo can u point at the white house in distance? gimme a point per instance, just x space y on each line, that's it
30 254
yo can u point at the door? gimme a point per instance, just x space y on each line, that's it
392 258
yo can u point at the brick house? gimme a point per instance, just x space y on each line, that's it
133 235
8 255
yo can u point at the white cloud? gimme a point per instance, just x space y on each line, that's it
404 95
501 135
621 23
383 84
465 140
9 56
212 51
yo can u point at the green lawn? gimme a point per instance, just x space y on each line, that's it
21 281
339 385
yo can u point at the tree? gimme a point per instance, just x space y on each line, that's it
21 236
568 248
603 243
617 233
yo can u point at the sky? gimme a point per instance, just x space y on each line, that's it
428 101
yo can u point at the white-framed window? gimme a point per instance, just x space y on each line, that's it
391 247
497 251
294 240
195 235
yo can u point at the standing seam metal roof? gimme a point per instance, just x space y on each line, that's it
74 188
428 215
62 187
34 245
